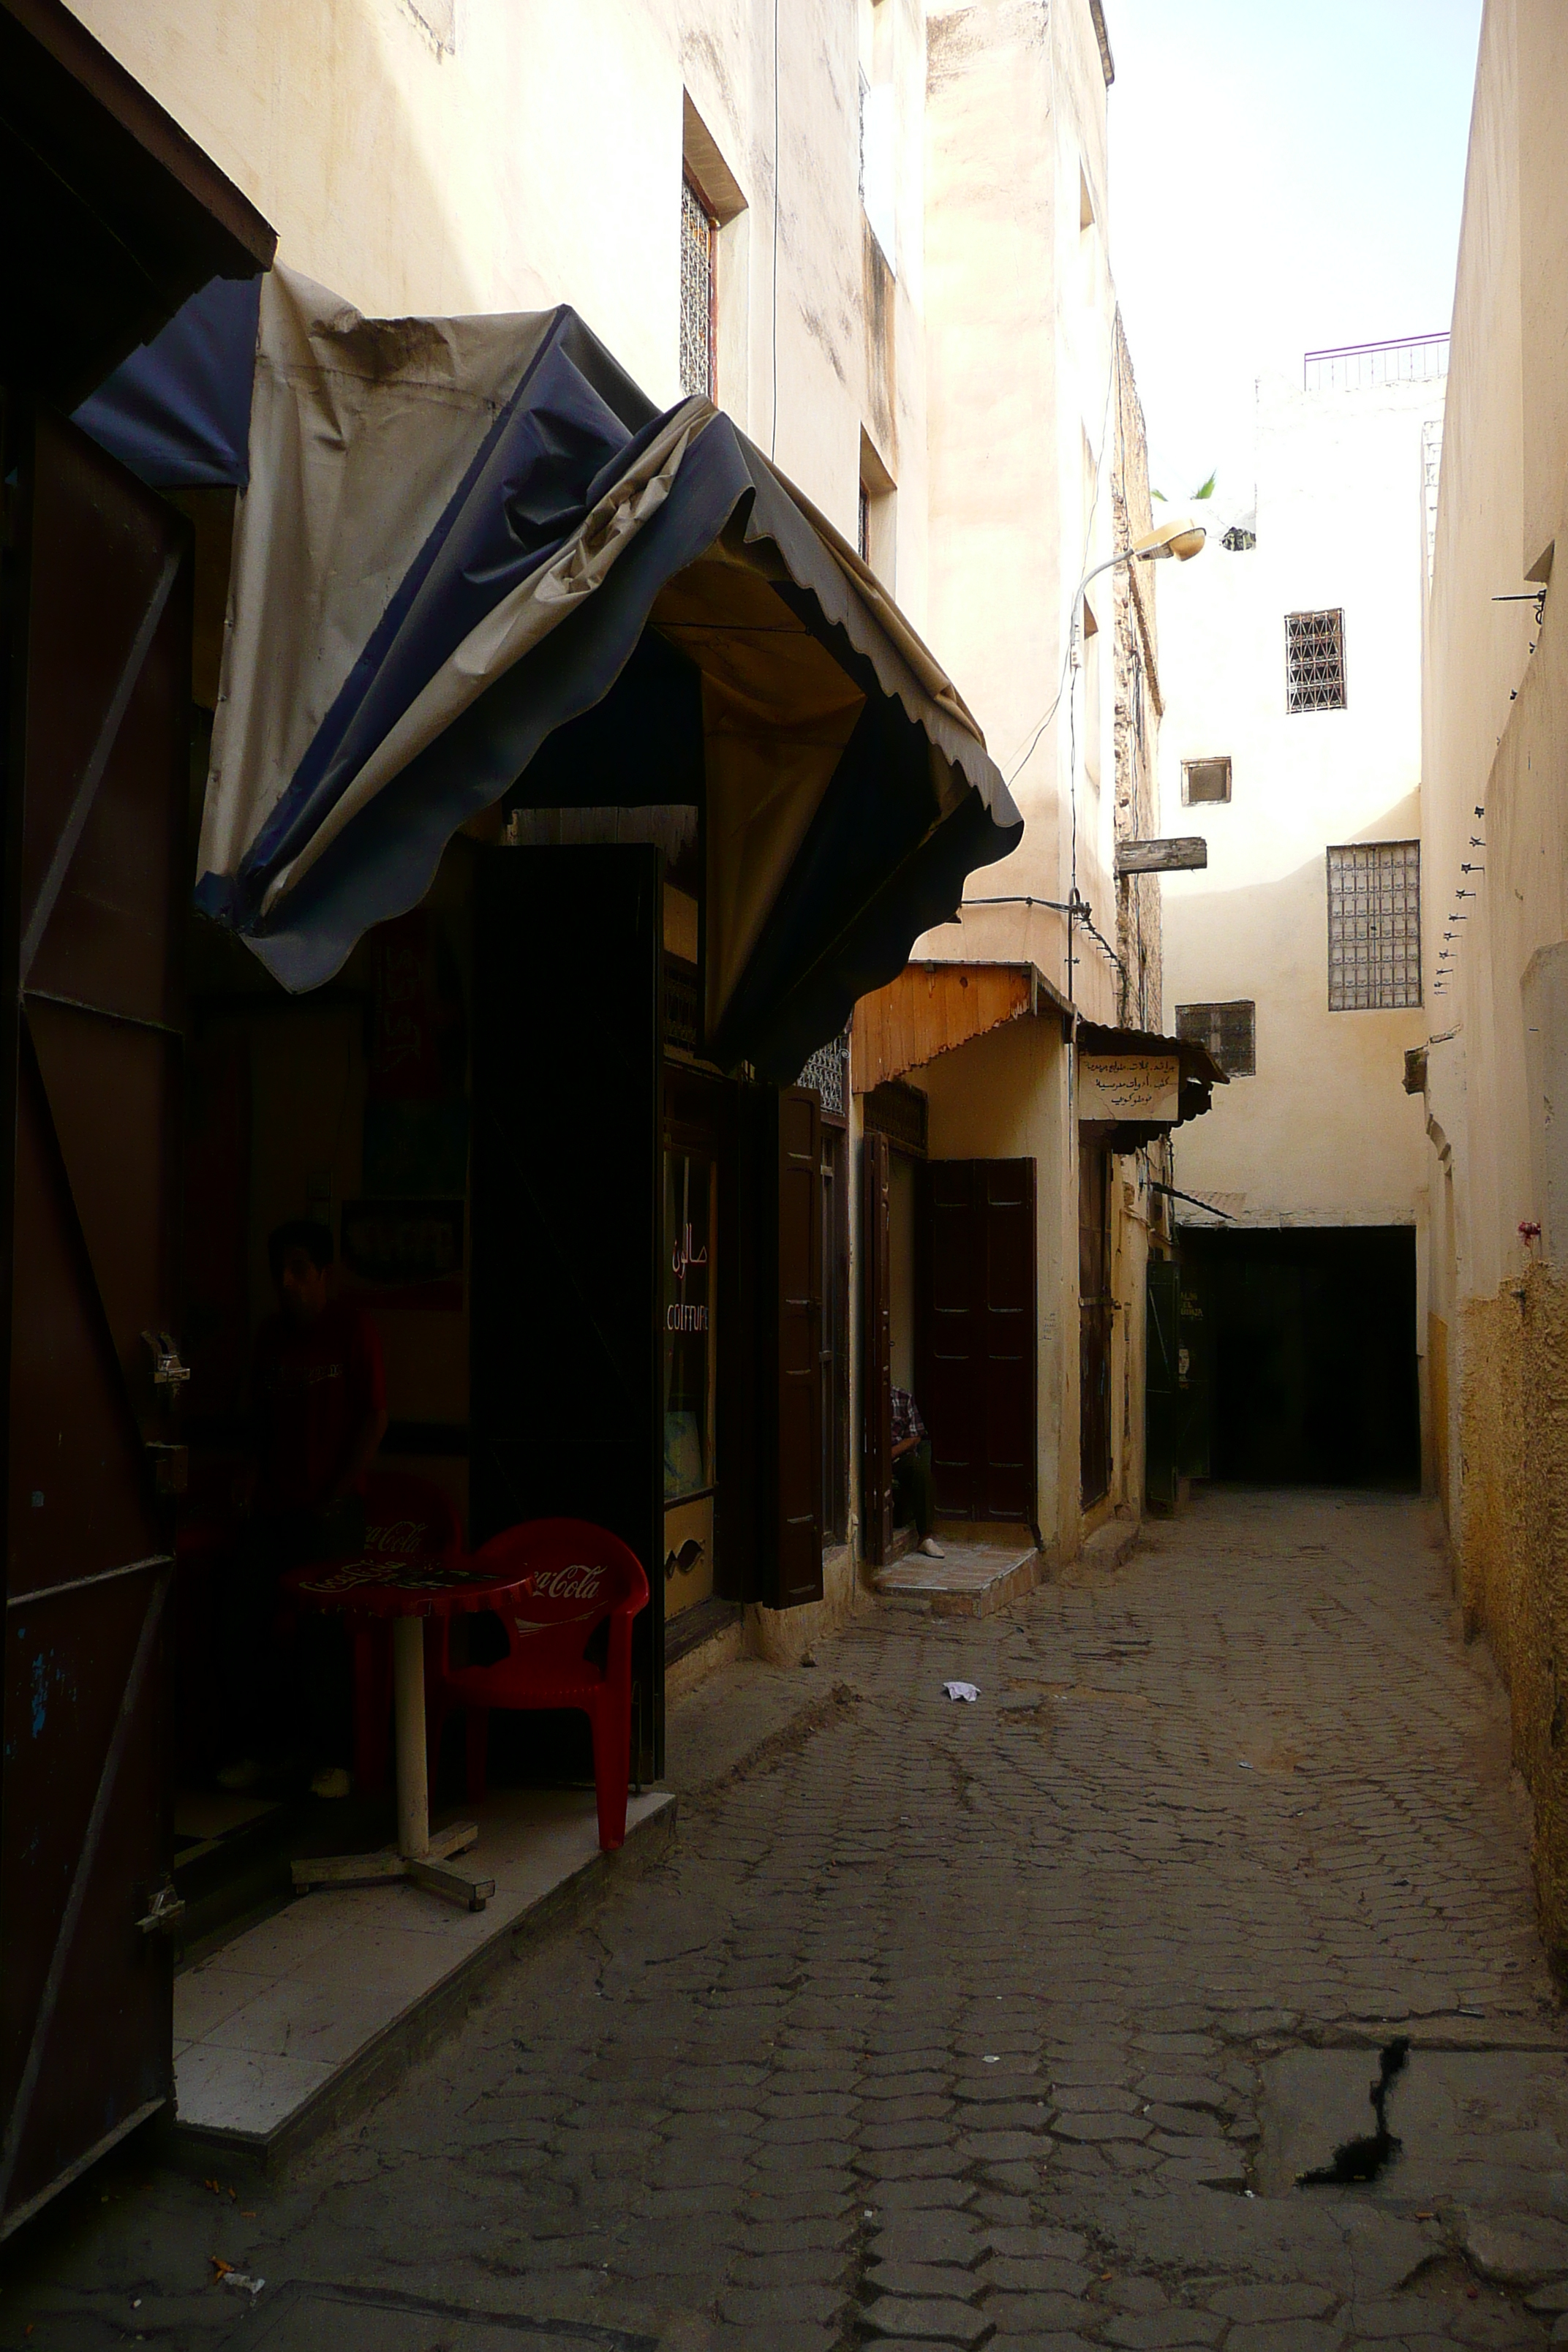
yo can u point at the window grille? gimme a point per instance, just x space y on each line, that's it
1374 927
1315 661
827 1070
863 540
696 293
1229 1032
1240 539
900 1113
1205 780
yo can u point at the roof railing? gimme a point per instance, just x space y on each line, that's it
1362 367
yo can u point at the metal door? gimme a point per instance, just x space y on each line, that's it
97 776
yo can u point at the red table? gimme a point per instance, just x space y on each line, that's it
406 1593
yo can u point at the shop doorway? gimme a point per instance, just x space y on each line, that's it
1305 1355
1094 1320
975 1334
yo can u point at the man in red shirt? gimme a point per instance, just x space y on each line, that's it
319 1407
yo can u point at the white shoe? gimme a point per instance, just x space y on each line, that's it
332 1780
932 1550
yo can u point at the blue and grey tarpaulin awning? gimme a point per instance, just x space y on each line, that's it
455 538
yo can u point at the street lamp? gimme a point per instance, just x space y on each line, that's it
1181 535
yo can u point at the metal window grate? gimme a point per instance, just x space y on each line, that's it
1229 1032
1315 661
1374 927
900 1113
682 1004
827 1071
696 293
1205 780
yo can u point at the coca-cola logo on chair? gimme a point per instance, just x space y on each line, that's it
400 1538
573 1584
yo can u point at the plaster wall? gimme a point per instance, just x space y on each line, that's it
1495 718
445 156
1323 1132
1022 366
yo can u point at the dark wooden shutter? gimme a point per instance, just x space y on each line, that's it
1094 1321
875 1352
566 1416
976 1333
92 933
1160 1391
798 1482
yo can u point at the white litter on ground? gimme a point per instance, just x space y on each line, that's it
961 1690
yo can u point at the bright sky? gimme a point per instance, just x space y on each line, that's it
1282 179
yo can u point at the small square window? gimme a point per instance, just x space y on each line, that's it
696 290
1229 1031
1205 780
1315 661
1374 927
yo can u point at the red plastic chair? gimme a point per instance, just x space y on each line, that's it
405 1518
572 1576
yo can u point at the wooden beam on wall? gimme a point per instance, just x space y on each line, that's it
929 1010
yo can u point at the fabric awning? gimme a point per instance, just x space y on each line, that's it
466 539
1197 1075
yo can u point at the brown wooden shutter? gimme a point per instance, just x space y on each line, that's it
96 874
875 1352
798 1494
1094 1321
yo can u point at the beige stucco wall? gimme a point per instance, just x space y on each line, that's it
1323 1133
1495 717
537 160
1020 311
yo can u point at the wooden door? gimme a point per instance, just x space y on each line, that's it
876 1349
565 1335
1094 1321
976 1323
1161 1391
796 1498
92 933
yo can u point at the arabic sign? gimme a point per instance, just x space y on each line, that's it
1138 1086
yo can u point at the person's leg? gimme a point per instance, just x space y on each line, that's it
325 1654
247 1659
903 1494
923 1491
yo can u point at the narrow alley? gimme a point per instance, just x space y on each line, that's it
999 2023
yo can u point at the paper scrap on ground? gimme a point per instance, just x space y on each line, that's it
961 1690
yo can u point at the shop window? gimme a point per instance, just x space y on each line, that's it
1374 927
698 314
1203 780
1315 661
1228 1030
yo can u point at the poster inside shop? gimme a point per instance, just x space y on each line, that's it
1133 1086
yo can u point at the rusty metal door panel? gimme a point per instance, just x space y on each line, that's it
104 1079
94 915
79 1501
86 1996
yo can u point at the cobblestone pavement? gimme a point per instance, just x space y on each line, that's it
956 2023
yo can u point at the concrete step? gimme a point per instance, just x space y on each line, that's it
974 1580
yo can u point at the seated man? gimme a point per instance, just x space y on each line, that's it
319 1411
914 1490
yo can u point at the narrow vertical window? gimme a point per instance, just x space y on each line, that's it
1315 661
697 293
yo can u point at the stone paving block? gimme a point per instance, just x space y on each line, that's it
1152 2331
1034 2313
938 2319
923 2278
1285 2335
1262 2300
